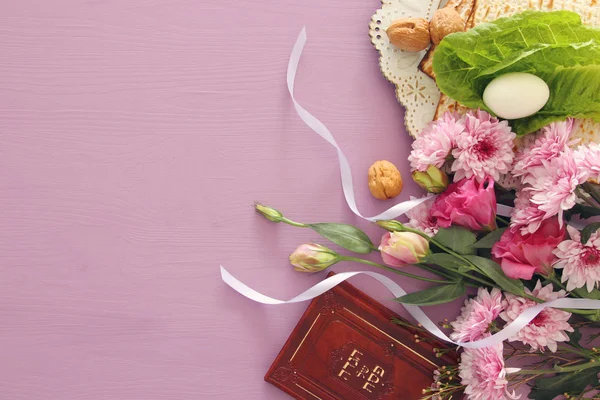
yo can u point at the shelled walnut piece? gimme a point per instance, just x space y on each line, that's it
444 22
410 34
385 181
416 34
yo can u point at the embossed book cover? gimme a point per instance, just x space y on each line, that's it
346 347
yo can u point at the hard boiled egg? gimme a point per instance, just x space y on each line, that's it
516 95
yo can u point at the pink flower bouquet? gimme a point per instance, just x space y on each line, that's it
537 252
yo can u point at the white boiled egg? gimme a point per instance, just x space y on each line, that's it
516 95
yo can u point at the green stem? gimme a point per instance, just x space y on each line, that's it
574 350
592 190
585 197
397 271
293 223
558 370
504 221
552 278
435 271
448 275
530 297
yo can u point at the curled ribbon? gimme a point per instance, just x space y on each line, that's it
321 130
510 330
399 209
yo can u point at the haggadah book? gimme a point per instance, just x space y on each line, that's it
346 347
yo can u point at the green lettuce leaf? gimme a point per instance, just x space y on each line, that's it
555 46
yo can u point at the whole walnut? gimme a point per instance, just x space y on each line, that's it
385 181
444 22
410 34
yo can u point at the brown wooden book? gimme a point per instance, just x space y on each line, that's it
345 347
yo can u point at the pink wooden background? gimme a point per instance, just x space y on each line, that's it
135 136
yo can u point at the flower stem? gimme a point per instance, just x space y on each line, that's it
585 196
435 271
592 190
397 271
559 370
504 221
293 223
552 278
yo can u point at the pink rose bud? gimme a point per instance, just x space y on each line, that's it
520 256
467 203
434 180
401 248
313 258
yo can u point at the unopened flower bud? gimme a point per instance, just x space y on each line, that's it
269 213
313 258
434 180
401 248
391 225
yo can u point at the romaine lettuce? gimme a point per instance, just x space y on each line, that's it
555 46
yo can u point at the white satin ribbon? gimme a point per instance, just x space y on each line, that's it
321 130
510 330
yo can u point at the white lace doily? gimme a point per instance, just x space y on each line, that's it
416 91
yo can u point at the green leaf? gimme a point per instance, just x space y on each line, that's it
445 260
493 271
582 292
435 295
346 236
583 211
464 268
549 388
574 337
588 231
488 241
555 46
456 238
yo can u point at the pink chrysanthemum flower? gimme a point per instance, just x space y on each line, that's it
548 328
477 315
420 218
553 184
580 262
482 372
484 149
526 216
549 143
588 160
436 142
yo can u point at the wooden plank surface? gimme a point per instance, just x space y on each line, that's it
134 137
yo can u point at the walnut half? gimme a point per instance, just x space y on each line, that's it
410 34
385 181
444 22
